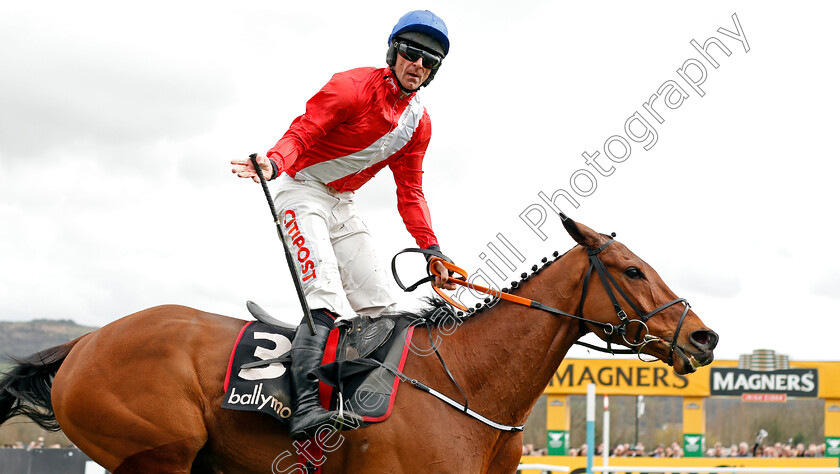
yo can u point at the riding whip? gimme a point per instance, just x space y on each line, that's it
307 315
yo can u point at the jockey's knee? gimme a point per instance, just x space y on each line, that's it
372 301
376 311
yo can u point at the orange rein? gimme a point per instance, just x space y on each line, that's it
608 328
461 280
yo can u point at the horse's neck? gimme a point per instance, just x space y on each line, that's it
510 352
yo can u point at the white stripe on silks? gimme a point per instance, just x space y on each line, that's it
378 151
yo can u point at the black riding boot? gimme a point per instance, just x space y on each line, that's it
308 415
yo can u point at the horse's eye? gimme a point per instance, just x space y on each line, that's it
634 273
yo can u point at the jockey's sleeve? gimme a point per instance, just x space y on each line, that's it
408 175
332 105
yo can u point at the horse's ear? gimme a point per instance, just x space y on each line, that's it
582 234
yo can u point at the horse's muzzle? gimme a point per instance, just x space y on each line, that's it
687 359
705 340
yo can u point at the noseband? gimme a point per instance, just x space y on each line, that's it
638 341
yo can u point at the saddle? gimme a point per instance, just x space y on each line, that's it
362 336
358 371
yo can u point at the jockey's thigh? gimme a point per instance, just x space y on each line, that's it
305 213
363 275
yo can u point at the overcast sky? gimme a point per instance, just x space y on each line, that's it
117 124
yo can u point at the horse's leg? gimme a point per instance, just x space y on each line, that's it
129 395
250 442
425 435
507 454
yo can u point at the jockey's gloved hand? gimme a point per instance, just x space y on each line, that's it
440 282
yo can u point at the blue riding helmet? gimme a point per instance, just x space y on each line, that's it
423 21
424 29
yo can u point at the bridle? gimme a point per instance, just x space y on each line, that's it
625 323
639 340
637 343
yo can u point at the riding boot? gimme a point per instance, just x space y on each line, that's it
307 353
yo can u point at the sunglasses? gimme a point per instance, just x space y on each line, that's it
412 54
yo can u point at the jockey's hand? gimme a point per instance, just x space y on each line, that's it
441 282
245 169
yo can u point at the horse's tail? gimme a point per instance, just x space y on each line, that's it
26 388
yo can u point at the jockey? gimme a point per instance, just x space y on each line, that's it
361 121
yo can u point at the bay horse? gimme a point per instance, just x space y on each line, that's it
143 394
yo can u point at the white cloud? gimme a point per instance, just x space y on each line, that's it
104 78
117 122
829 286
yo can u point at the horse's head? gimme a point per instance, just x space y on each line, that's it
622 291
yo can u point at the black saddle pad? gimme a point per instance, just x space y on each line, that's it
266 388
368 391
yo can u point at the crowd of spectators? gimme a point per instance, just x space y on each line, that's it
777 450
529 450
674 450
37 444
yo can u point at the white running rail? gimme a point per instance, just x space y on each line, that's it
709 469
542 467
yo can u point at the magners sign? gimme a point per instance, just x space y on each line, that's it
728 381
624 377
722 378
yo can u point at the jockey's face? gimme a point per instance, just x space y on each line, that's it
411 74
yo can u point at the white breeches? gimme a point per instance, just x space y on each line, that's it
337 262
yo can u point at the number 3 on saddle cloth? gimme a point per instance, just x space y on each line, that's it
359 361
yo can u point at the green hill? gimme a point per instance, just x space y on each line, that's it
20 339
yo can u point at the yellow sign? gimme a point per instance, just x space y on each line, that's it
626 377
634 377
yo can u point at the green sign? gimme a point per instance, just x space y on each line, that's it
693 445
832 446
558 442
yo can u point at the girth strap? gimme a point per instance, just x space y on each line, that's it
420 385
445 368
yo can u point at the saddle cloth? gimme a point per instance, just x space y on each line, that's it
354 371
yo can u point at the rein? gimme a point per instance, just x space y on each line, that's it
638 341
608 283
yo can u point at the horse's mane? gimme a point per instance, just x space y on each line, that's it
437 311
434 310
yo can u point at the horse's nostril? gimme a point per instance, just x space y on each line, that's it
704 339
